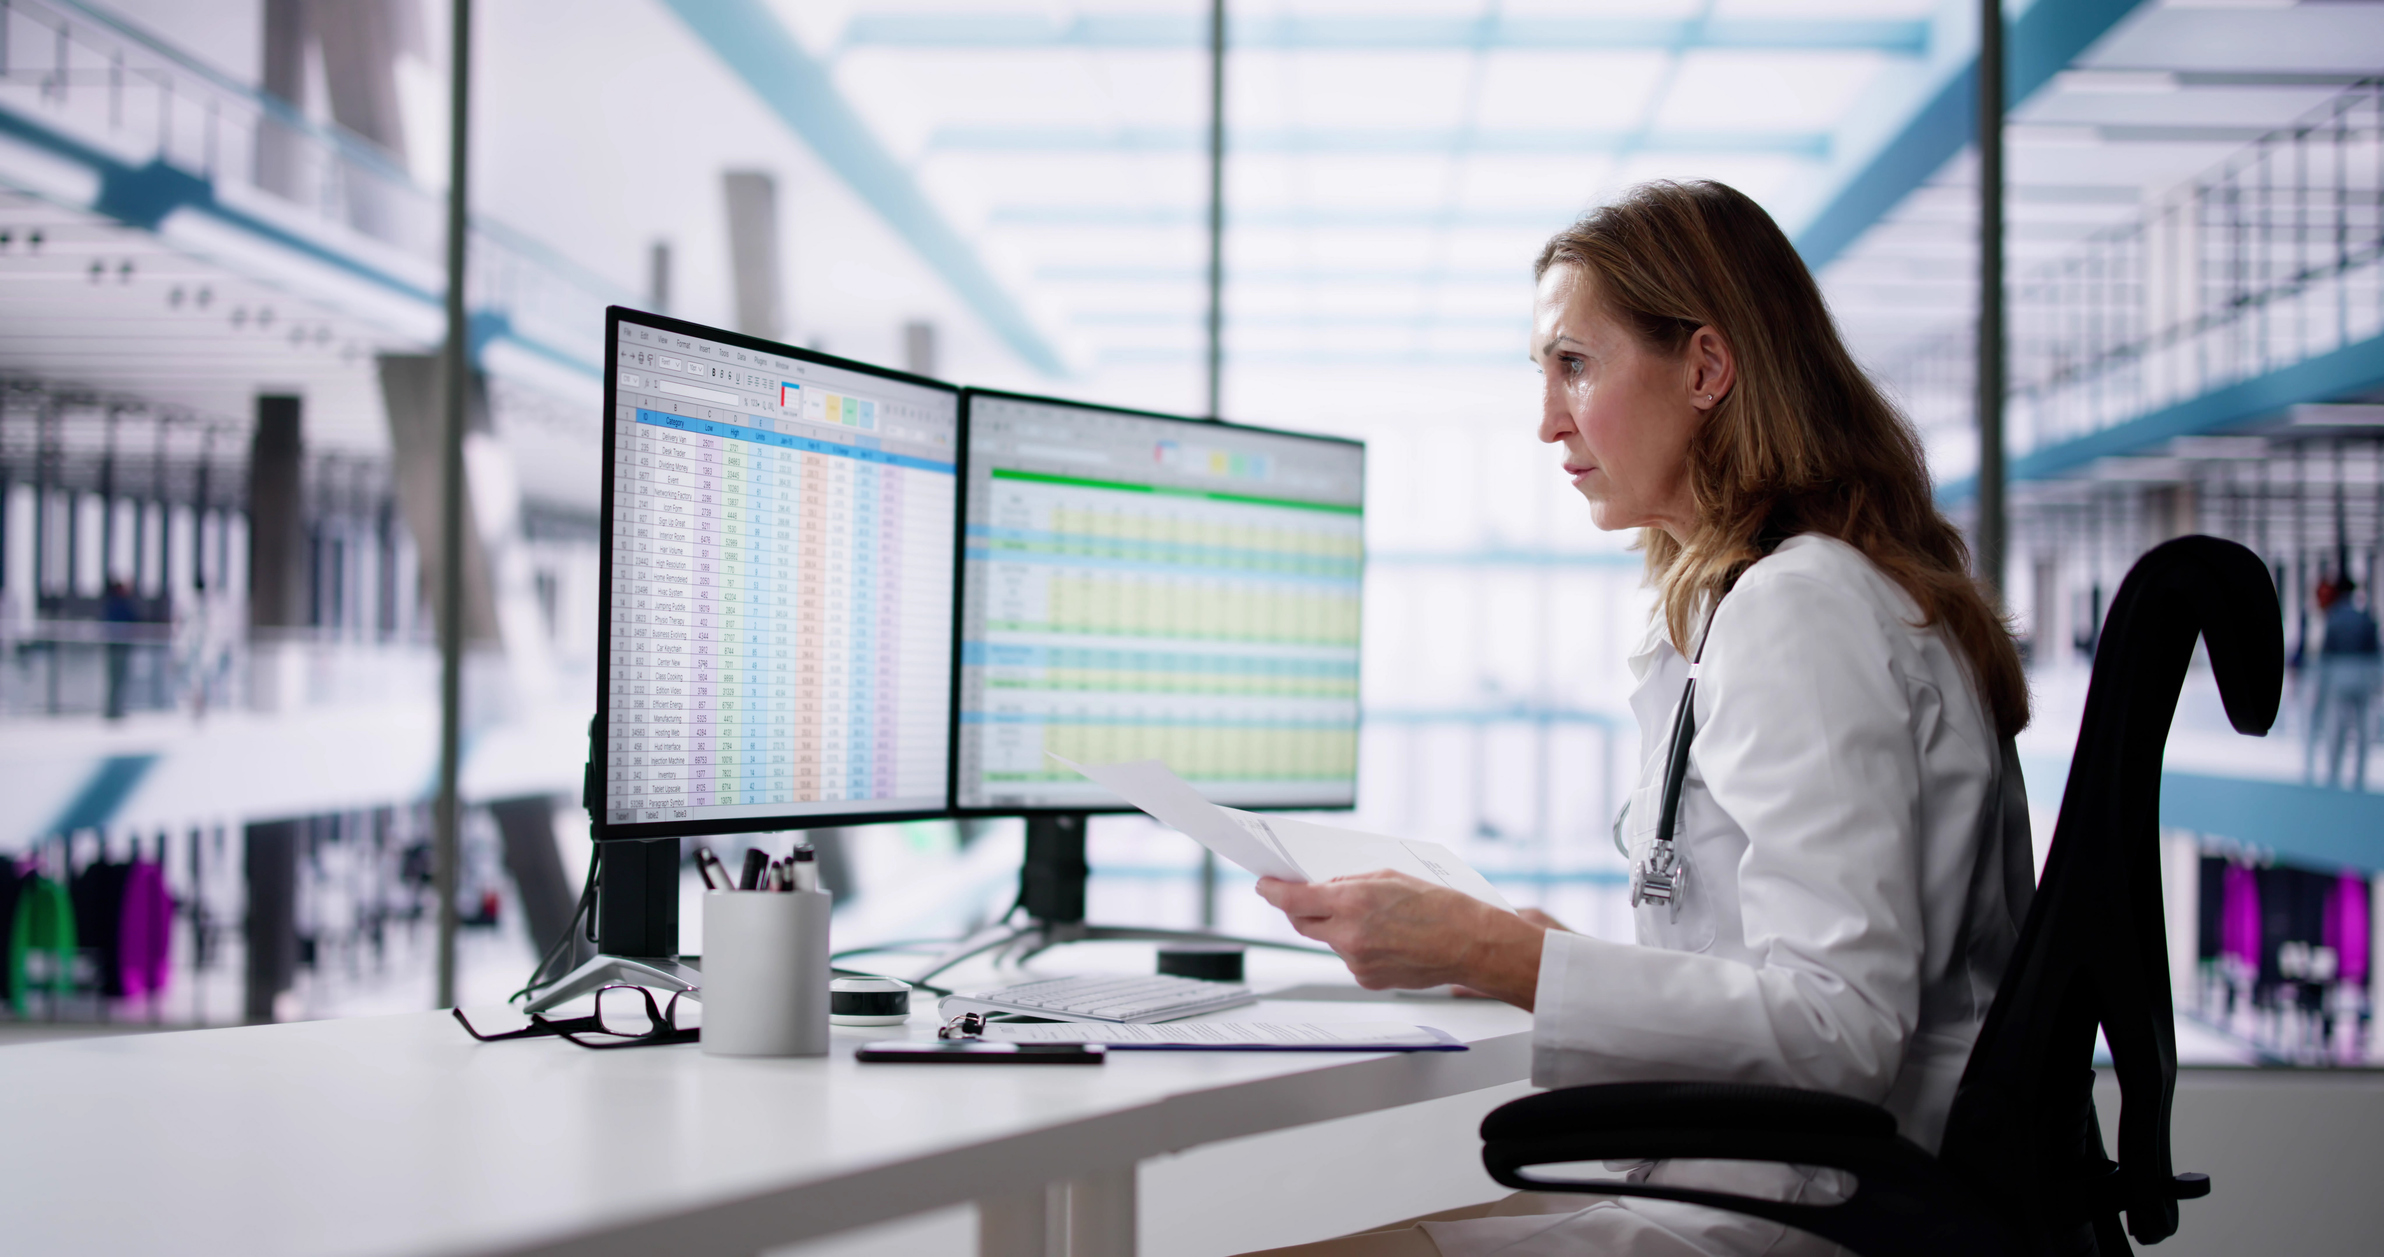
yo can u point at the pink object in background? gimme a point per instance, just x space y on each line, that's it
145 932
2346 928
2239 917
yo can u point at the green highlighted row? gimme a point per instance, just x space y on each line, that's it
1121 486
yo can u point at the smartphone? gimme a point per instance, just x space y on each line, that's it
979 1052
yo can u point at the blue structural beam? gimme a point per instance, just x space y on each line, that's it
1190 318
1188 31
2351 371
1813 146
144 196
97 802
2304 825
749 39
1281 217
1498 714
1191 352
1123 273
2042 43
1508 556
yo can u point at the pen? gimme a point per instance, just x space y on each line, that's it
704 860
805 863
755 862
777 880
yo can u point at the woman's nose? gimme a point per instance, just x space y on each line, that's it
1554 422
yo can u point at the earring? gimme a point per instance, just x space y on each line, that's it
1709 397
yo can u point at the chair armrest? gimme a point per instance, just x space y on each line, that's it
1684 1107
1904 1202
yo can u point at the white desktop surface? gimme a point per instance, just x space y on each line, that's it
401 1135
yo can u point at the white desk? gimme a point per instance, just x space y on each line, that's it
400 1135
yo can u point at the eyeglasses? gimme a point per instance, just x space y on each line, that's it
621 1020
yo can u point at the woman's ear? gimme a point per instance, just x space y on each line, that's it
1712 370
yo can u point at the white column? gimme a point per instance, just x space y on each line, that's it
17 609
1090 1216
1101 1213
1025 1224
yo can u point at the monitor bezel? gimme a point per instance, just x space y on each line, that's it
968 400
602 830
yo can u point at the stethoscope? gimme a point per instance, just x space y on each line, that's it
1660 876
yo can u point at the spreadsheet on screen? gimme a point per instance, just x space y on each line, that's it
1137 587
781 589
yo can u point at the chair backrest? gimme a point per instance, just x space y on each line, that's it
2094 951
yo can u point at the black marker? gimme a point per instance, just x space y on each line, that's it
705 862
755 863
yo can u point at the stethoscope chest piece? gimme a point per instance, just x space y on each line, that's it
1660 878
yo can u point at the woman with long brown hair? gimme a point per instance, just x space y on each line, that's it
1826 895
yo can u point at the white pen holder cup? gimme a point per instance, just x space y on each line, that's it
765 973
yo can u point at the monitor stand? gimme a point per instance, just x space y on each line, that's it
637 926
1051 888
663 973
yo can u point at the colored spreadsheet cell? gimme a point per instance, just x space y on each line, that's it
781 622
1217 631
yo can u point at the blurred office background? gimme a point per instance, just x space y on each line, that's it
220 306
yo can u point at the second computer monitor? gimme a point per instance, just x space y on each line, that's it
1136 586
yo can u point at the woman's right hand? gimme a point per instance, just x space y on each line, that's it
1394 930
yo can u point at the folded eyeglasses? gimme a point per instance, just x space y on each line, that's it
620 1021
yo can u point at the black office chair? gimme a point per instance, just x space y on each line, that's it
2022 1167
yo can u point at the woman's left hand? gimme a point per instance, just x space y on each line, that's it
1394 930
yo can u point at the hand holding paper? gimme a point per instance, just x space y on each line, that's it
1278 846
1147 784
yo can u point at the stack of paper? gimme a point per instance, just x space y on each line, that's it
1279 846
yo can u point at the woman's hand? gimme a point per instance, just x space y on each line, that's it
1394 930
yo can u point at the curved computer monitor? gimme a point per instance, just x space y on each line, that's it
777 585
1138 586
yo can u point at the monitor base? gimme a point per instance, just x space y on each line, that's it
1051 889
663 973
1019 943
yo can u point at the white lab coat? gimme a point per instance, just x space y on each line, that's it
1857 843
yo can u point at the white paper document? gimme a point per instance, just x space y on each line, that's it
1232 1036
1279 846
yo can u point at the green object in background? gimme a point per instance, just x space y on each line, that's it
41 941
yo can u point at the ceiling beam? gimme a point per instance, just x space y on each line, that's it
2044 41
1188 318
1546 219
1188 32
1411 359
1811 146
750 40
1517 276
2356 370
